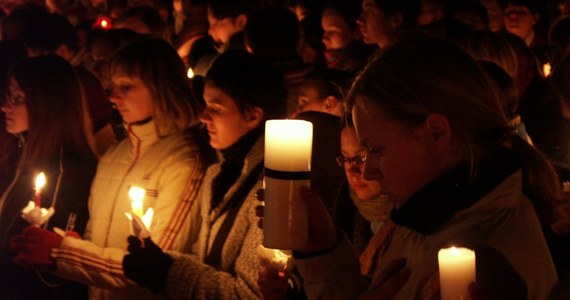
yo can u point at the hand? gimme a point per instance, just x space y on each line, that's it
272 284
146 264
389 282
33 247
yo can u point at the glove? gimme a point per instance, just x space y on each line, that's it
146 264
33 248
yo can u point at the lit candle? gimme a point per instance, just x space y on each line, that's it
40 183
456 272
190 73
546 69
140 223
288 146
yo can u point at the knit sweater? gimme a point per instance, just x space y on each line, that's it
236 276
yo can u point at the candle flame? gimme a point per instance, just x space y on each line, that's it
190 73
40 181
147 218
137 195
546 69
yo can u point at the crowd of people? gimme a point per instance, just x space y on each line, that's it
435 123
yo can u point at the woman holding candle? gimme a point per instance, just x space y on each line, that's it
151 91
443 151
44 110
240 94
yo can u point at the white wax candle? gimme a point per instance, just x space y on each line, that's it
288 145
39 185
456 272
288 149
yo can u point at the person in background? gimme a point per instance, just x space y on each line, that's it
160 156
322 90
344 49
46 113
227 20
381 21
495 12
241 94
456 175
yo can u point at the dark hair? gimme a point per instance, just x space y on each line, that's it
249 82
222 9
328 82
417 77
149 17
49 32
57 111
273 34
349 11
409 9
160 68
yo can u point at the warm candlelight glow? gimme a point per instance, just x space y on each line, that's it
140 223
273 258
456 272
288 145
40 183
546 69
190 73
137 195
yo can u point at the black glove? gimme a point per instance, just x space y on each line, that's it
147 264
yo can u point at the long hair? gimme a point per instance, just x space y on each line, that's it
57 111
421 76
160 68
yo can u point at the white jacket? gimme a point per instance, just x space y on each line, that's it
171 171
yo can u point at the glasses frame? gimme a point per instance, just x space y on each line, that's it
358 160
14 101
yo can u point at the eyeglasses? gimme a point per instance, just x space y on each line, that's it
14 100
342 160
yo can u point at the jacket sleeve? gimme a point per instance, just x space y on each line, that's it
190 278
335 275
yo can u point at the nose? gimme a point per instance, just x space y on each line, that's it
353 169
205 116
5 107
114 96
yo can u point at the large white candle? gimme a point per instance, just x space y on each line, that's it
288 147
456 272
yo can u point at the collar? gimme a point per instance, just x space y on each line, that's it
433 205
142 135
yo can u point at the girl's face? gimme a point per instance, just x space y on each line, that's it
519 20
15 109
402 159
132 98
336 33
224 120
352 149
376 26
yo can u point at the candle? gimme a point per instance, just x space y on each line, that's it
546 69
40 183
140 223
190 73
456 272
288 146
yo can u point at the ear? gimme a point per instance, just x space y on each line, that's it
331 102
241 21
439 130
253 117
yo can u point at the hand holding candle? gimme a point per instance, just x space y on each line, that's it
33 212
456 272
140 224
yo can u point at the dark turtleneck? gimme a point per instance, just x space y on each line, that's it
432 206
233 160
